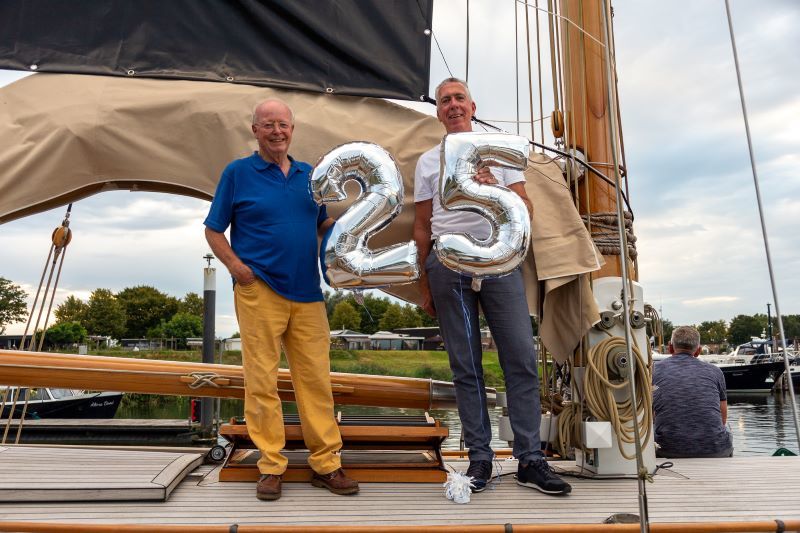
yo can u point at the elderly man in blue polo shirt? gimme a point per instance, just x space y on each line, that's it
272 256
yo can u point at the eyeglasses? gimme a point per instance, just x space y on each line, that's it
275 126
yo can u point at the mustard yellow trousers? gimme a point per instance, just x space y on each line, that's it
265 320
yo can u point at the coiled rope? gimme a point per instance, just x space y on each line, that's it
605 236
599 391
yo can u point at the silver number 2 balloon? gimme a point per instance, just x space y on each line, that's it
462 155
347 261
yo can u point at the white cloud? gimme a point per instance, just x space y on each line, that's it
710 300
701 255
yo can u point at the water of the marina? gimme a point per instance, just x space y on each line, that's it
761 423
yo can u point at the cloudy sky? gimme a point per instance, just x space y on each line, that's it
700 246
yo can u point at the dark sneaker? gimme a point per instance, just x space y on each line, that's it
538 475
269 487
337 482
481 473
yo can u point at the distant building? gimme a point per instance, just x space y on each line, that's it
386 340
234 344
12 342
348 339
130 344
194 342
432 339
101 341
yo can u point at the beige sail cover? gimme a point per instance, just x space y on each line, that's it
64 137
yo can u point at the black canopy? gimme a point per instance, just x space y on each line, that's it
356 47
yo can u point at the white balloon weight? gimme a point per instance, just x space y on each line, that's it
347 261
462 155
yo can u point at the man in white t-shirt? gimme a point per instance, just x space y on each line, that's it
449 296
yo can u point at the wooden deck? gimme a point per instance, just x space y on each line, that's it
42 474
694 490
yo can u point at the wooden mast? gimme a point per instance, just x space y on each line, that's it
585 101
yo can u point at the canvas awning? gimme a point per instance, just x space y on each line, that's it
64 137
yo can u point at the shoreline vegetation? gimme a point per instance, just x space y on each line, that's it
404 363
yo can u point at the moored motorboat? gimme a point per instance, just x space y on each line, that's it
46 402
756 377
750 367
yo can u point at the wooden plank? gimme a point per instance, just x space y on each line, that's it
49 475
364 466
175 471
362 475
356 433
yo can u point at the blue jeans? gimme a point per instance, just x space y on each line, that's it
506 309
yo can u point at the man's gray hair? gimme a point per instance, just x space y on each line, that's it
452 80
269 100
686 338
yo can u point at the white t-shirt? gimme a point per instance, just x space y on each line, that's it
426 186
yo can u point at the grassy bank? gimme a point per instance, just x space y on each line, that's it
415 364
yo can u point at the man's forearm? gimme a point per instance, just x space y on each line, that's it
519 188
423 250
322 228
222 250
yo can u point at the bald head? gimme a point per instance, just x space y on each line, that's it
273 126
270 106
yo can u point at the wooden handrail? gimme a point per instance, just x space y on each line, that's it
672 527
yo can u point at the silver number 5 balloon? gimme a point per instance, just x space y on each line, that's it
462 155
347 261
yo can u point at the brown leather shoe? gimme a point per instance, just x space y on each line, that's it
337 482
269 487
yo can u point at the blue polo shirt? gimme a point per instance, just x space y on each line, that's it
273 221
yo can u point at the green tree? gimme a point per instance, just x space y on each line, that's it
791 327
65 334
744 327
425 320
145 308
713 331
667 327
12 303
345 316
72 309
371 312
105 314
333 298
392 318
410 318
192 303
180 327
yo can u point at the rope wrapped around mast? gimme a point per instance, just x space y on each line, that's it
604 233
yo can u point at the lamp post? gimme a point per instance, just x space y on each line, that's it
209 303
769 326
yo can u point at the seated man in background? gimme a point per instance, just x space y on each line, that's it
690 402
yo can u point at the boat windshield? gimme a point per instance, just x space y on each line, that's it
63 393
37 394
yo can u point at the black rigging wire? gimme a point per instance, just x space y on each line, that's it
435 40
584 164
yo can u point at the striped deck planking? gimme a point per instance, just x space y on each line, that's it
694 490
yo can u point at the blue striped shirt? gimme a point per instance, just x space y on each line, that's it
686 401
